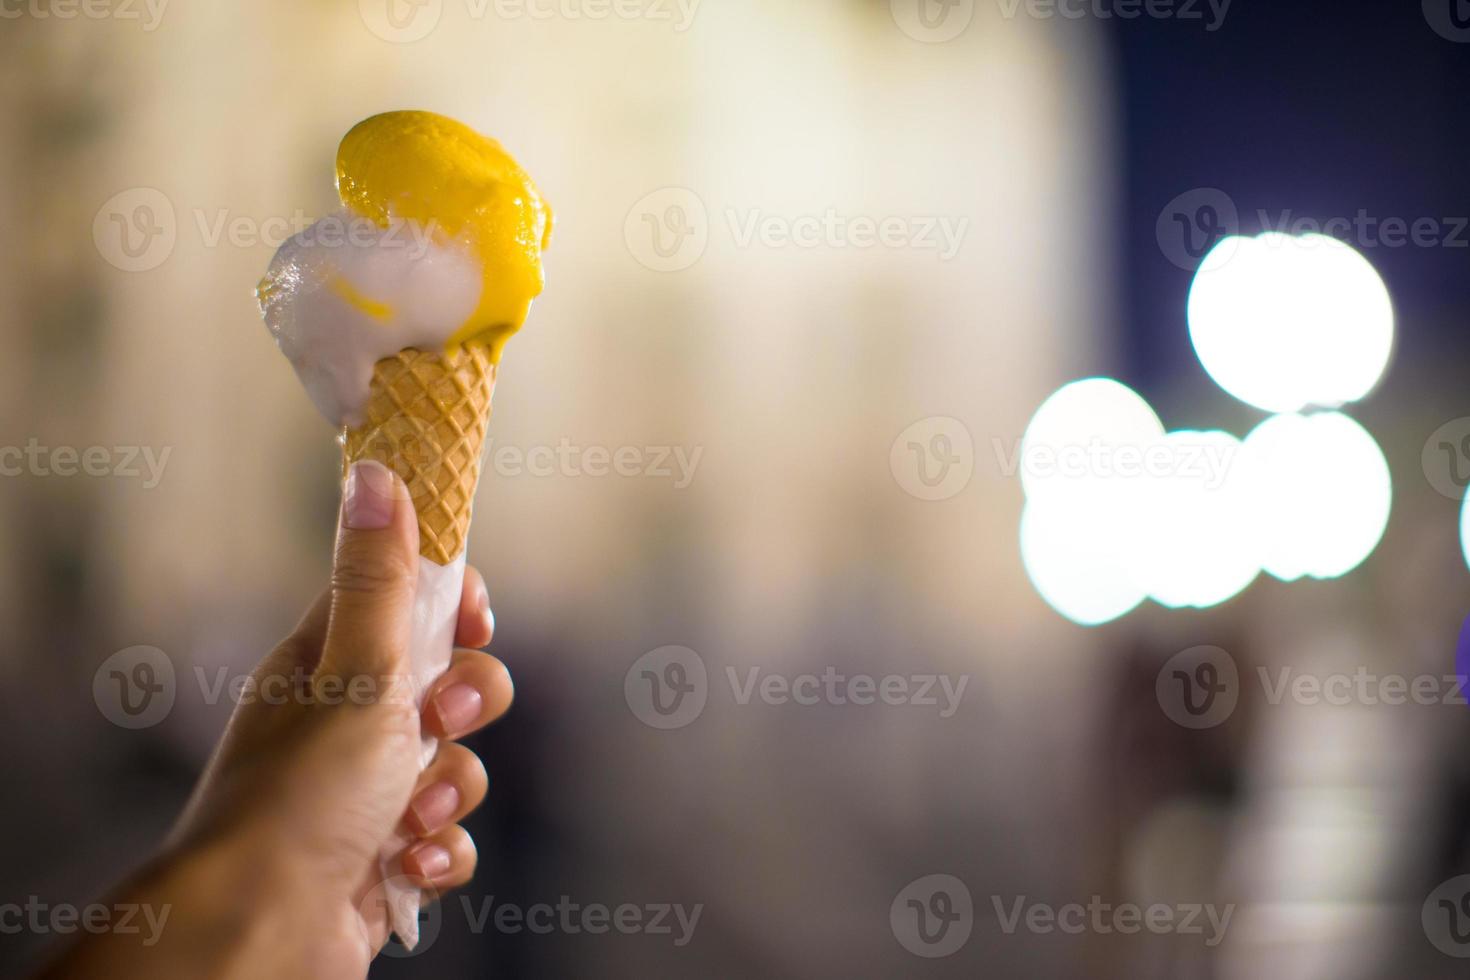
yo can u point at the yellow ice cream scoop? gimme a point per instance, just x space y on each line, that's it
424 167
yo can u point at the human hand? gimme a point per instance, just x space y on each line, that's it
274 865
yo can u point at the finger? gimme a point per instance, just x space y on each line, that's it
445 860
476 621
473 692
453 785
373 576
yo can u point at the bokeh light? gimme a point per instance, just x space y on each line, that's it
1081 435
1118 510
1081 468
1465 529
1284 322
1320 494
1190 518
1074 552
1195 544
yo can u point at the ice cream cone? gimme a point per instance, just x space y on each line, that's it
426 419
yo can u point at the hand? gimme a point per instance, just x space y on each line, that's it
273 869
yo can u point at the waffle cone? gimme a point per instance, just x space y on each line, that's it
425 419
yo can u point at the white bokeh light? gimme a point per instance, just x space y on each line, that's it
1320 494
1284 322
1465 529
1081 468
1080 435
1073 552
1118 510
1195 545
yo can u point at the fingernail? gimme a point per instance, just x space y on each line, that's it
457 706
367 501
433 807
486 613
432 860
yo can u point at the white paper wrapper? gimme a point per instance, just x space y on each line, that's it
435 615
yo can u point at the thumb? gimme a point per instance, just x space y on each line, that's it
374 576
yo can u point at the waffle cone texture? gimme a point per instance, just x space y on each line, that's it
425 419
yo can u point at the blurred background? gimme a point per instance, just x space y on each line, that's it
817 268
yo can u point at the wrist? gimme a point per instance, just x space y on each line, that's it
205 909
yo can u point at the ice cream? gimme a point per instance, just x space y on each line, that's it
394 312
438 245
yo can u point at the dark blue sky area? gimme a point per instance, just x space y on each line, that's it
1306 109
